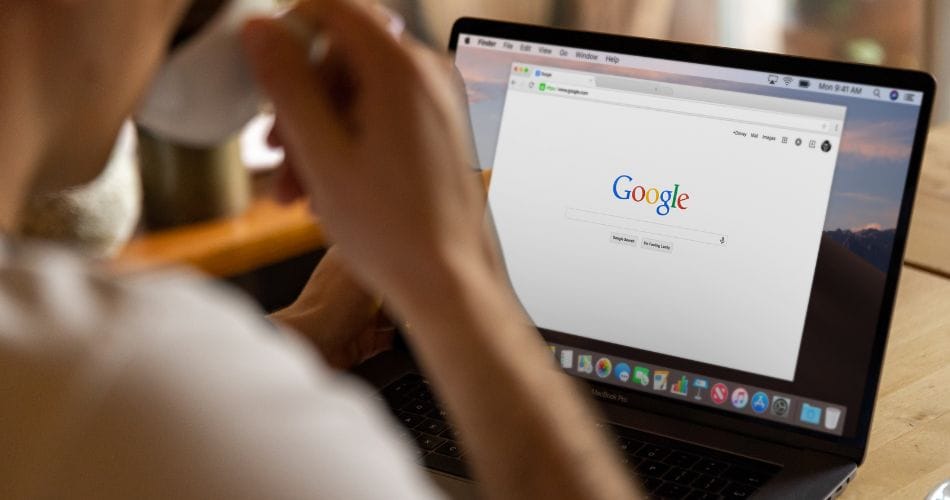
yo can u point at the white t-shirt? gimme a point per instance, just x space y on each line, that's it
169 386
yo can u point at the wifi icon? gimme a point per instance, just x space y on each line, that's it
787 80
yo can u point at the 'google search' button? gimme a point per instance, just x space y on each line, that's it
623 239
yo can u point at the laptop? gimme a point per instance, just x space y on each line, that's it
709 239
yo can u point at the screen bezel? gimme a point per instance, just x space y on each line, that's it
852 447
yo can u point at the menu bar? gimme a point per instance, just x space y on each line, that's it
702 390
795 82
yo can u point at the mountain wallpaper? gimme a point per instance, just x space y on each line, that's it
873 245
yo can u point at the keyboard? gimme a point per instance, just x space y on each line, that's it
666 468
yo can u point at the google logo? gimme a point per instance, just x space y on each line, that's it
624 189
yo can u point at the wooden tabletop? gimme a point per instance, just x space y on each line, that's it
909 451
928 246
266 233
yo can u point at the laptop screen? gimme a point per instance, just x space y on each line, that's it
703 233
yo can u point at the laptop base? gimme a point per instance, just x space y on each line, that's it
803 473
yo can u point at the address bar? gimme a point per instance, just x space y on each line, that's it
690 107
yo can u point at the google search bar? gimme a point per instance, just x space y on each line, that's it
645 227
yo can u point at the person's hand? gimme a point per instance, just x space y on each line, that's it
376 136
343 321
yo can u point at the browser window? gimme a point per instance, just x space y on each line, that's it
644 242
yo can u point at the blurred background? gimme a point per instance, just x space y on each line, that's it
904 33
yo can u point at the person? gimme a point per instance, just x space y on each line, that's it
168 386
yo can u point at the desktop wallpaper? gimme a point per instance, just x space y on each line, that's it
869 176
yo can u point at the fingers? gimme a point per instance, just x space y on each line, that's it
365 34
314 104
282 66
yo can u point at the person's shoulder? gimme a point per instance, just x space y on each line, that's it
51 294
193 374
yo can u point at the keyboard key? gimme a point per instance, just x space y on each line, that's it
711 467
446 464
437 413
409 420
702 495
745 476
434 427
737 490
681 476
652 452
424 394
449 434
653 468
418 407
650 483
628 445
630 461
449 449
709 483
408 434
672 490
681 459
402 386
401 390
428 442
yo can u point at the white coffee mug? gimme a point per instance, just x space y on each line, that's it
204 93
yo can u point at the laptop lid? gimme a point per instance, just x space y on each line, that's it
708 233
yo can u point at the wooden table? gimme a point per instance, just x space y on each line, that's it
928 246
909 451
265 234
910 440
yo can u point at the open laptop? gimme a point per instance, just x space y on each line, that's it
710 238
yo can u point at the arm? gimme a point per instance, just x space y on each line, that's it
376 137
337 316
